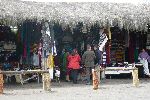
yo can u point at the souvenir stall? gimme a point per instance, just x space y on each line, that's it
125 48
43 27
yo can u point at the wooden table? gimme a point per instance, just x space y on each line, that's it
133 70
140 69
45 74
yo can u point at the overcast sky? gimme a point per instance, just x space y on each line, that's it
116 1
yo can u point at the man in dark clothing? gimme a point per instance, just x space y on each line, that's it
88 60
98 60
98 55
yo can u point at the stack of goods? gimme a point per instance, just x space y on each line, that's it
1 83
117 47
119 56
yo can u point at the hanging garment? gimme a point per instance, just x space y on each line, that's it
21 60
108 54
104 59
102 41
127 38
40 53
25 51
35 60
109 33
50 61
53 49
136 55
64 61
148 42
131 49
51 71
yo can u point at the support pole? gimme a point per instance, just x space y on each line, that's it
46 82
95 79
1 83
98 71
135 77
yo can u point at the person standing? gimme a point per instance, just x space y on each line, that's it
98 60
74 64
144 57
98 55
63 66
68 69
88 60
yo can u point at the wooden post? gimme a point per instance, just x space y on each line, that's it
46 82
95 79
1 83
98 71
135 77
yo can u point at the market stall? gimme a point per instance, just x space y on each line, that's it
46 29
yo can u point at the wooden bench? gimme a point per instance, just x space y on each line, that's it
45 74
133 70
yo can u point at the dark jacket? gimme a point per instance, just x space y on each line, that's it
98 58
88 58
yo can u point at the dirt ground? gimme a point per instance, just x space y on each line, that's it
110 89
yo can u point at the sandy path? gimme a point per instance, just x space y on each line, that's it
111 89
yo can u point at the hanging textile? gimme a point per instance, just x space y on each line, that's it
53 49
127 38
136 55
24 51
40 53
126 54
108 53
35 59
102 41
137 41
131 47
148 42
104 57
19 49
46 38
64 61
50 61
109 33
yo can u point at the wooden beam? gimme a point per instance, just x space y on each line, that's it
24 72
117 69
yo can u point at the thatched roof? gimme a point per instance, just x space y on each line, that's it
125 15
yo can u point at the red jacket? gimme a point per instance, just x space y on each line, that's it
74 61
